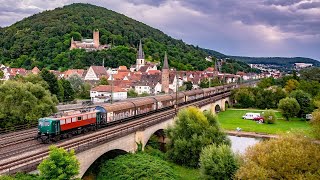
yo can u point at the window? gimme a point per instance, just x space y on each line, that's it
74 119
79 118
62 121
84 117
89 116
93 115
68 120
46 123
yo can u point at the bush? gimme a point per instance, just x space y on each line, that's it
288 157
218 162
59 165
193 130
315 124
136 166
269 117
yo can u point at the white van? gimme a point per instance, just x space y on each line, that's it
251 115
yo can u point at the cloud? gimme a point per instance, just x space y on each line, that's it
251 27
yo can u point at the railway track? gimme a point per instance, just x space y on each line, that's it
34 155
93 138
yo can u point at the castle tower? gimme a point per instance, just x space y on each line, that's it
140 57
96 39
165 75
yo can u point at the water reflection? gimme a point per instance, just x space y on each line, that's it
239 144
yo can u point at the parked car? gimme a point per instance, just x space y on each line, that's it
250 115
259 118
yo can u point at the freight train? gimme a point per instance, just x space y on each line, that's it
53 129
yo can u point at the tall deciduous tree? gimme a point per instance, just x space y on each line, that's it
193 131
76 82
51 79
68 92
21 103
60 165
289 107
244 97
304 100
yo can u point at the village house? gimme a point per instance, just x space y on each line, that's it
95 73
103 93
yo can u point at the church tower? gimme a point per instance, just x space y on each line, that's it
165 75
73 44
96 39
140 57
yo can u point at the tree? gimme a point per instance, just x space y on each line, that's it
304 100
24 103
85 91
103 81
136 166
310 74
76 83
52 81
34 79
68 92
59 165
188 85
266 82
218 162
244 97
289 107
291 85
132 93
286 157
192 131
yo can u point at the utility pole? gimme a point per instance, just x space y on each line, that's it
111 88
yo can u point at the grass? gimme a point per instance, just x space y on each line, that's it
232 118
185 173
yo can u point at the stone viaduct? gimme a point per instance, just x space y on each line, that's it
128 143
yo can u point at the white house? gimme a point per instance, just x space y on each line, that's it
102 93
95 73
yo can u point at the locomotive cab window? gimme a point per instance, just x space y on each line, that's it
46 123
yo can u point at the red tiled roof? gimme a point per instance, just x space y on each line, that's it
99 70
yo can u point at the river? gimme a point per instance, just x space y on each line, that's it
240 144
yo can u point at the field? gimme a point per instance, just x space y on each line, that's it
232 118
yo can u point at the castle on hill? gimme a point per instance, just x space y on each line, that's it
88 44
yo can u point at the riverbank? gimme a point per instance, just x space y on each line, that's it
251 134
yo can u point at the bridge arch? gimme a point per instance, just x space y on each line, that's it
217 108
105 157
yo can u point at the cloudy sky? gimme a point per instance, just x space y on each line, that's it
235 27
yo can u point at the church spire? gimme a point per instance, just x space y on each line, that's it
165 61
140 54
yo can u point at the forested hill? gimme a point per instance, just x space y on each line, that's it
281 61
43 40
